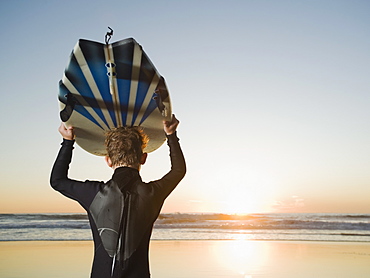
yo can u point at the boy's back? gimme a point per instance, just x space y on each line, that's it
121 211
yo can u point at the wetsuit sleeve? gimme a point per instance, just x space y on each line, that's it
167 183
83 192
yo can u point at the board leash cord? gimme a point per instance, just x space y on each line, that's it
108 35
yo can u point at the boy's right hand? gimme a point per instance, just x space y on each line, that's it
171 126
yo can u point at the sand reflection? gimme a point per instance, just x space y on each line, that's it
196 259
241 256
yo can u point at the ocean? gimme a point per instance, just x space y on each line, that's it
199 226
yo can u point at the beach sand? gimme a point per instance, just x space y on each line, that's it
195 259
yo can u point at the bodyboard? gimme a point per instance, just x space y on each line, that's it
105 86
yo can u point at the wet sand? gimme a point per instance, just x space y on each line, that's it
196 259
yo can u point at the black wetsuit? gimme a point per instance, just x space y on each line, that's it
140 204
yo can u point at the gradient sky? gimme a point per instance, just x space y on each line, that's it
273 99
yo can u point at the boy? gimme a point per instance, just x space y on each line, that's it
123 210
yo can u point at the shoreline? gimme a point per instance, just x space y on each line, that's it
196 259
206 240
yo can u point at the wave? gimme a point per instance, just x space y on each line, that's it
202 221
28 216
266 221
46 226
270 226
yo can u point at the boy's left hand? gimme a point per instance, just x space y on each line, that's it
66 132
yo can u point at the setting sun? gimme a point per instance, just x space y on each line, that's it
256 195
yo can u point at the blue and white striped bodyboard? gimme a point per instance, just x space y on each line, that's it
111 85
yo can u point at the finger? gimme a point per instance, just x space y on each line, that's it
61 127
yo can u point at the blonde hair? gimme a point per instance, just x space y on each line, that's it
125 145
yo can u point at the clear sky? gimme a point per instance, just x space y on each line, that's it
273 99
